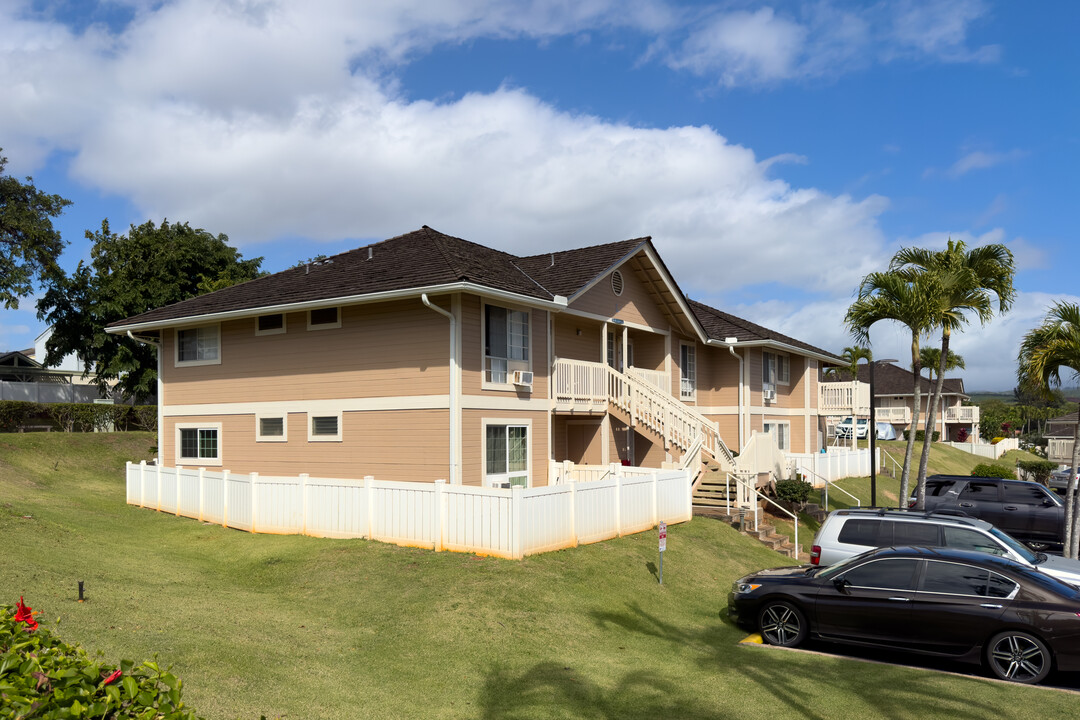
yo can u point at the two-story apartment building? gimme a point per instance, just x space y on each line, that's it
1060 435
427 356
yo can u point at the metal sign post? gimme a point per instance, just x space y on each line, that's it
663 547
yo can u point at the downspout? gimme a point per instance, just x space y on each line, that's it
731 349
160 391
454 399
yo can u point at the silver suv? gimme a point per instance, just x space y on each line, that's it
850 532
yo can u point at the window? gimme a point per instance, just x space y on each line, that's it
775 370
324 427
980 491
687 371
506 343
199 346
964 539
1024 493
270 324
954 579
781 433
913 533
271 428
324 319
898 574
506 455
861 532
198 443
615 352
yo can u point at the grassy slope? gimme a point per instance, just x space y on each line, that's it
304 627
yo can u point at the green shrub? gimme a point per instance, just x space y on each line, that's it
994 471
1038 470
14 413
920 435
794 491
43 677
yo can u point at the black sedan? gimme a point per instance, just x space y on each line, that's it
971 606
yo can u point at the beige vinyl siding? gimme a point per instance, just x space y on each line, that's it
384 350
648 453
649 351
718 378
404 445
472 460
635 305
729 429
472 349
569 345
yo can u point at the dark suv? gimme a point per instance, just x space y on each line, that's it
1026 510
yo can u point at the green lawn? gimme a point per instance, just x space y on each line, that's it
300 627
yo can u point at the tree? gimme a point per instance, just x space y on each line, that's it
29 245
1044 352
931 359
910 301
852 356
966 279
128 274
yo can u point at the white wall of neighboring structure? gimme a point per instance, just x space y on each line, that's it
70 362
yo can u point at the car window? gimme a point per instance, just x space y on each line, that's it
965 539
860 532
999 586
954 579
916 533
980 491
890 574
1024 493
936 489
1017 547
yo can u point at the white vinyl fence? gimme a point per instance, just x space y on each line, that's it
509 523
987 450
836 464
40 392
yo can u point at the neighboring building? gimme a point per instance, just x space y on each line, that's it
1059 435
894 391
427 356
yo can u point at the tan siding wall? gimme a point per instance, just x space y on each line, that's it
729 429
403 445
648 350
718 377
570 345
648 453
635 304
389 349
473 443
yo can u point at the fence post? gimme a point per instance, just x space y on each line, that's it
655 500
157 492
618 501
517 531
202 492
437 511
573 513
176 500
368 501
251 483
142 480
224 498
303 502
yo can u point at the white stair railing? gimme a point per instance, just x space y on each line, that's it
803 471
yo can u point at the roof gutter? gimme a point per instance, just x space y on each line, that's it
455 400
556 304
781 346
730 342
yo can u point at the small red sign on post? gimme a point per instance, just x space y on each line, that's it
663 536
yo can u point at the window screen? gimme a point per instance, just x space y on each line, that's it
324 316
275 426
271 322
324 425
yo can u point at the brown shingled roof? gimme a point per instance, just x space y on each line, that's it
891 379
720 325
568 271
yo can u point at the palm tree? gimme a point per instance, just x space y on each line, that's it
910 301
966 278
1044 352
931 359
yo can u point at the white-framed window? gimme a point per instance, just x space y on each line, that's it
198 443
198 346
775 369
324 318
271 427
506 453
270 324
781 433
506 343
687 371
324 427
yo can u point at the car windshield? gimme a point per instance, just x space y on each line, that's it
1015 545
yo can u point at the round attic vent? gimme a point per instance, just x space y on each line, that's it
616 282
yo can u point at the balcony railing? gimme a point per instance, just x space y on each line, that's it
893 415
844 398
656 378
1059 450
963 413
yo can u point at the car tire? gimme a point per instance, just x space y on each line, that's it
1018 657
783 624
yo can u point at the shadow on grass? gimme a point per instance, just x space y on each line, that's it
891 691
552 689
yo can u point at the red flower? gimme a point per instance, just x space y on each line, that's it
25 613
113 678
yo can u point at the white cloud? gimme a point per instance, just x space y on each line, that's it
981 160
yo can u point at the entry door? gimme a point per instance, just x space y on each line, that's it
507 455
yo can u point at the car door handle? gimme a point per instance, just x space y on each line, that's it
967 505
1011 507
992 606
900 599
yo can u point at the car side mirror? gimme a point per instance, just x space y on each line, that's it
841 584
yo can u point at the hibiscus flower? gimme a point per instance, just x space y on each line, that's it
25 613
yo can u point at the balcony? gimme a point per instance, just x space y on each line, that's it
844 398
893 415
962 414
1059 450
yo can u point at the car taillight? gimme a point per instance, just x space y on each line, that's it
911 503
815 555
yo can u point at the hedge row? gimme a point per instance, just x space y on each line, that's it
71 417
43 677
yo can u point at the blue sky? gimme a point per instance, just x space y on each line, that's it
776 152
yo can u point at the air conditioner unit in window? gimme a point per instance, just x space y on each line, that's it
769 394
523 377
